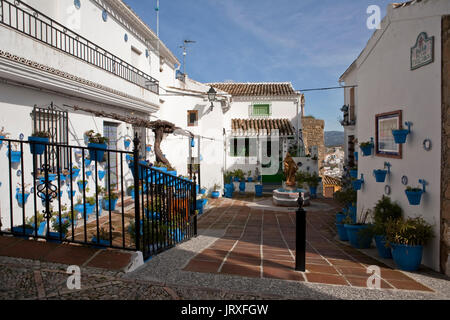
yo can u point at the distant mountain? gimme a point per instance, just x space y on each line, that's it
334 138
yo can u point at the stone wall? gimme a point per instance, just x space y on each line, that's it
313 135
445 168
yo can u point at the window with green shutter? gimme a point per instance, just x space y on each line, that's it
261 110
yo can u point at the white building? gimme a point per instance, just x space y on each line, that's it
402 76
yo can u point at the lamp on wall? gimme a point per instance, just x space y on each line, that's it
212 97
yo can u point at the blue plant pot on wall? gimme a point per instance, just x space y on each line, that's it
82 185
15 156
414 197
236 179
38 147
249 179
354 173
75 173
380 175
242 186
127 143
101 174
400 135
356 154
113 204
357 184
367 150
98 153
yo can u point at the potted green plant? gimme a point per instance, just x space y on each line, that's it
414 195
97 146
228 177
407 239
313 181
353 172
301 178
359 233
103 240
110 201
61 230
249 176
384 211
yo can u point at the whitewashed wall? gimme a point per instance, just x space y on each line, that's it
386 83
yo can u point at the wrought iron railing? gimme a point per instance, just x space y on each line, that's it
40 27
89 203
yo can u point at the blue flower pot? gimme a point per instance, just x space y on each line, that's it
22 198
87 162
407 258
236 179
259 190
19 231
101 174
71 194
357 184
82 185
215 194
342 232
414 197
75 173
37 145
129 158
354 173
127 143
199 205
356 239
242 186
380 175
367 151
400 136
383 251
356 156
88 173
203 191
340 217
96 154
250 179
15 156
149 149
313 192
54 237
113 204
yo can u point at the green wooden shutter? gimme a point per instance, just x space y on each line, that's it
261 110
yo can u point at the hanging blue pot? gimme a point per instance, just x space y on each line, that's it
149 149
356 238
127 143
88 173
357 184
98 153
354 173
101 174
192 143
75 173
15 156
22 198
380 175
129 158
407 258
236 179
87 162
37 145
342 232
414 197
259 190
356 155
199 206
400 135
367 150
250 179
383 251
113 204
242 186
82 185
71 194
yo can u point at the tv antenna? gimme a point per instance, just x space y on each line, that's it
184 47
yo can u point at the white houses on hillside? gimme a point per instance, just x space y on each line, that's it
402 76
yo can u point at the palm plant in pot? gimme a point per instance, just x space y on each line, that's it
384 211
407 239
359 233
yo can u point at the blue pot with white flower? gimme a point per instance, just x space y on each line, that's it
380 175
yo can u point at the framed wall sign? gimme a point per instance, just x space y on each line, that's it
423 51
385 145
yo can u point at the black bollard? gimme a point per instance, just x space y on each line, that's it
300 238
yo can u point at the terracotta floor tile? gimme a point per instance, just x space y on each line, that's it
409 285
393 275
111 259
215 252
346 263
244 271
283 274
325 278
29 249
278 263
206 257
202 266
70 255
317 261
244 261
316 268
352 271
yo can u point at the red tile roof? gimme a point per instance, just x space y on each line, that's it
245 126
404 4
256 89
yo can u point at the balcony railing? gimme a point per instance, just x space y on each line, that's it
35 24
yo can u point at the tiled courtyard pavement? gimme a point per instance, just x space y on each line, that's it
261 244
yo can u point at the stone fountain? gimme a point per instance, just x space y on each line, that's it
288 195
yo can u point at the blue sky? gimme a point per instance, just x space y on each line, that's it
307 42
